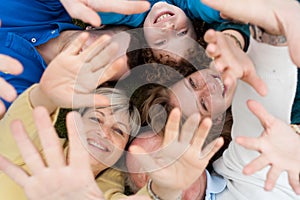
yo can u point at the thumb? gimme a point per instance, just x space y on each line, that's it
257 83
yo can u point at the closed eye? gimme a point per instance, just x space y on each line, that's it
118 131
182 33
203 104
160 43
95 119
192 83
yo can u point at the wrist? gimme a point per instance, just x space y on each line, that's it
237 42
159 193
39 98
296 128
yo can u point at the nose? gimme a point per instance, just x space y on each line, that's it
169 25
104 132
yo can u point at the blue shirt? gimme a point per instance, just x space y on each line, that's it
25 25
215 184
194 9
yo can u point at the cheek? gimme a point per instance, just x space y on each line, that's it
119 143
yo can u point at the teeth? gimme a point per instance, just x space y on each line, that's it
163 17
221 84
95 144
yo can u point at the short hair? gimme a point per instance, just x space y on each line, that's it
119 102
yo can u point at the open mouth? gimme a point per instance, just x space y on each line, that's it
163 16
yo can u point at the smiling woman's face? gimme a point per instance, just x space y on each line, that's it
203 91
107 134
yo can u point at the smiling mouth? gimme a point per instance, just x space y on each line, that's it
163 16
221 84
97 145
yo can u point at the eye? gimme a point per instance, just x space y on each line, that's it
203 104
118 131
182 33
160 43
95 119
192 83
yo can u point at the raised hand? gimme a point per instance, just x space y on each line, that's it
86 10
278 146
55 177
8 92
181 159
232 62
274 16
70 79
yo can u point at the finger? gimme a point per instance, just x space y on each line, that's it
8 92
189 128
211 149
76 46
202 132
257 83
84 13
89 100
229 80
249 143
256 165
210 36
49 139
110 72
93 49
2 109
10 65
172 127
13 171
260 112
104 58
272 177
78 153
294 181
28 151
124 7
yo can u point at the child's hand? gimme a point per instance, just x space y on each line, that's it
8 92
279 148
86 10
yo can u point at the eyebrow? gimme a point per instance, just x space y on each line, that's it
118 122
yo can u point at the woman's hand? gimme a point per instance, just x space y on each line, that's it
278 146
54 177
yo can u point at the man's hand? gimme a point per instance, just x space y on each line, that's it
70 79
181 160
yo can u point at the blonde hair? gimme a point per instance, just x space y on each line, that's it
119 102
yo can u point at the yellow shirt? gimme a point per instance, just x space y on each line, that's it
111 182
